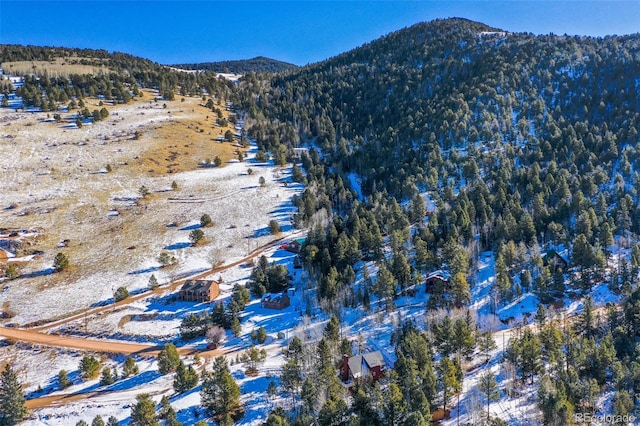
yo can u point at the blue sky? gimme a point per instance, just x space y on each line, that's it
300 32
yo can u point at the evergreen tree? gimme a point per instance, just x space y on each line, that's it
195 236
464 342
449 382
97 421
205 220
587 321
166 410
130 367
153 282
112 421
252 358
333 412
121 294
332 329
143 413
63 379
395 406
107 377
309 396
489 387
168 359
186 378
291 377
416 418
220 394
12 404
89 367
60 262
552 400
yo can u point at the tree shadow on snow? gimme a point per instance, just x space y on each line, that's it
178 246
145 271
190 227
40 273
133 381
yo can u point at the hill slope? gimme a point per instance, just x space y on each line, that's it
523 143
257 64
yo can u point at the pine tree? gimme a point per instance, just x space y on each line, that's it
144 412
89 367
205 220
63 380
587 321
112 421
252 358
107 377
60 262
165 408
415 419
463 336
12 404
309 396
332 329
489 387
130 368
395 405
291 377
153 282
220 394
168 359
97 421
186 378
449 382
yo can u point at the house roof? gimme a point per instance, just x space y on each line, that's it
275 298
355 366
371 359
197 285
374 359
553 253
440 274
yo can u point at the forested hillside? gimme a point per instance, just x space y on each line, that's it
524 143
117 76
258 64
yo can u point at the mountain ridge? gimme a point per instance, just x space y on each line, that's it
242 66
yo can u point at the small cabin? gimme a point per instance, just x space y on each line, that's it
369 365
436 279
295 245
203 291
554 260
276 301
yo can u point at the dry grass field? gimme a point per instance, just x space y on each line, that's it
59 67
54 179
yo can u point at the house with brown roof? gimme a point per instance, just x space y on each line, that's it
199 291
276 301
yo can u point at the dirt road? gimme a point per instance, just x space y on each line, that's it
168 288
76 342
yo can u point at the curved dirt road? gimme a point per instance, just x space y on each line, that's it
77 342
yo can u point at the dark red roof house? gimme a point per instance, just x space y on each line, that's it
437 278
358 367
